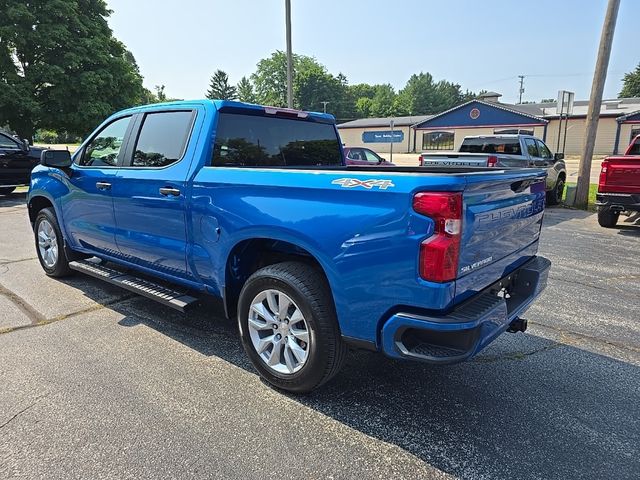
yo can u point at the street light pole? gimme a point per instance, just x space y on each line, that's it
287 4
324 106
593 114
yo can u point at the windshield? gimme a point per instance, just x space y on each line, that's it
252 140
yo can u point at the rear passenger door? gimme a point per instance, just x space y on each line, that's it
149 192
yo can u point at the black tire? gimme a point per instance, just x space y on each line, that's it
309 290
6 190
61 266
607 218
554 196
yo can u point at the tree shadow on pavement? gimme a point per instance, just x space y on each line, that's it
525 408
13 200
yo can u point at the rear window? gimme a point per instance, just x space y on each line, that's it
253 141
506 146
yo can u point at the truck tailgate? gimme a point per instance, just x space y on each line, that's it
453 159
501 225
620 174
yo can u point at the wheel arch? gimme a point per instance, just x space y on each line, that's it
37 203
250 254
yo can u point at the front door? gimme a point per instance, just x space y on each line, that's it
87 207
548 162
149 192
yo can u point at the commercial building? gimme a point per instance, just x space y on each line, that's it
619 122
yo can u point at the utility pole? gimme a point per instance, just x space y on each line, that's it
595 101
287 5
324 106
521 77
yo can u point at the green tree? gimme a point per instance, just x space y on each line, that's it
220 88
631 84
313 85
270 77
60 66
245 91
384 102
423 96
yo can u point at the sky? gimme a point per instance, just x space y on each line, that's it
477 44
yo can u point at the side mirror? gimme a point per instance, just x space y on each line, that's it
25 144
55 158
558 156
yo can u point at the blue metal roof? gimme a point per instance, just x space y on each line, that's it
630 117
477 113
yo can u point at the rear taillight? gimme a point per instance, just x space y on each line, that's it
439 253
602 181
492 161
421 160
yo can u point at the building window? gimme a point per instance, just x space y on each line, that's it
437 141
512 131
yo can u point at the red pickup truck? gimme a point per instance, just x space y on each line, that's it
619 185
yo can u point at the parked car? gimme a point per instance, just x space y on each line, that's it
619 185
17 159
523 151
364 156
256 206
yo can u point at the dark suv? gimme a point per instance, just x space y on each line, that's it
17 159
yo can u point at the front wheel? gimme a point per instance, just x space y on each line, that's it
607 218
288 326
6 190
50 244
554 196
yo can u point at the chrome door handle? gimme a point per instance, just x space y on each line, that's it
103 186
167 191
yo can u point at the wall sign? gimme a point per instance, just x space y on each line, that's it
474 113
385 136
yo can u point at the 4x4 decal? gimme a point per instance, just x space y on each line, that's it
368 184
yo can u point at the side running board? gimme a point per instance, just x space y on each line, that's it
171 298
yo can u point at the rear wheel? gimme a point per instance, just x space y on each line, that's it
289 328
554 196
607 218
50 244
6 190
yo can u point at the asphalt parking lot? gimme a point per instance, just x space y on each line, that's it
97 383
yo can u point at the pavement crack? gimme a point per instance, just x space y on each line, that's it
4 261
46 321
574 338
516 355
22 305
28 407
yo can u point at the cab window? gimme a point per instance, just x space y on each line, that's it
163 138
6 142
104 148
544 150
371 157
532 149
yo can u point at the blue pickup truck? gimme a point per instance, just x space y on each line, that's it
255 205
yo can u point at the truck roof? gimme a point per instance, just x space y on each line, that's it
229 104
503 135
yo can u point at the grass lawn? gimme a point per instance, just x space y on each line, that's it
593 189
